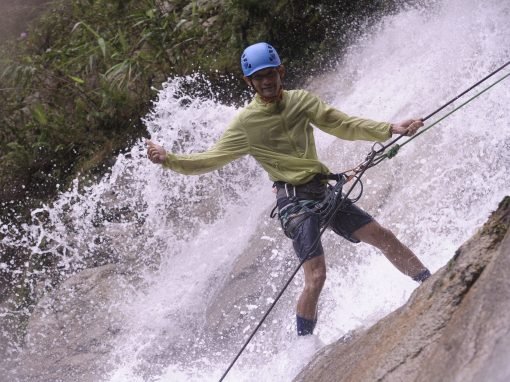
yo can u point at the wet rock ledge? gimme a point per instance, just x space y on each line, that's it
455 327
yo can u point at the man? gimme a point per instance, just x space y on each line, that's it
276 129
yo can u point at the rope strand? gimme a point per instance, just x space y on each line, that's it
375 157
393 151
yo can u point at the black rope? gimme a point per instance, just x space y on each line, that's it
466 91
338 206
372 159
383 148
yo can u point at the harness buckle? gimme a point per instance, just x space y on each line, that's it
287 191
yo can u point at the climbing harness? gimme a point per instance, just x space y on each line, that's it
337 200
303 204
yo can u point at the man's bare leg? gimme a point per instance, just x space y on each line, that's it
396 252
306 310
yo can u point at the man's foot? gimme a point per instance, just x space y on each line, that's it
422 276
304 326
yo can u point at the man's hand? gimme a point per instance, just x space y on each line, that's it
155 153
408 127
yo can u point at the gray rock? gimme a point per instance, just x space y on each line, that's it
71 332
455 327
16 15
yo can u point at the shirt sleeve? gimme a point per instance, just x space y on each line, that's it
232 145
341 125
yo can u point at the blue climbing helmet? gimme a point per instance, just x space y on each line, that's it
259 56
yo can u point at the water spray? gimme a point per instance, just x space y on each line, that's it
376 155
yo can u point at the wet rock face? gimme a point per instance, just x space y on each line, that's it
455 327
15 16
72 332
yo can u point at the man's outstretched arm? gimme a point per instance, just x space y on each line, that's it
232 145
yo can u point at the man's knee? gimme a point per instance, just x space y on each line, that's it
315 273
316 278
375 234
319 278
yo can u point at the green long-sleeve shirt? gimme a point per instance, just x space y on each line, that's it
280 137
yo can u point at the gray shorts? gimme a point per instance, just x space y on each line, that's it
344 223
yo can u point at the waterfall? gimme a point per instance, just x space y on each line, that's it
206 258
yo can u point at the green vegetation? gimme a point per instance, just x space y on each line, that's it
73 91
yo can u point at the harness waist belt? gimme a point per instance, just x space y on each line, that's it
314 190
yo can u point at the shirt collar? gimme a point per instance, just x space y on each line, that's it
271 107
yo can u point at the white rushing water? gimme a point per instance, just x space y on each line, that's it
188 236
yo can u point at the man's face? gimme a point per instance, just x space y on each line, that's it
267 82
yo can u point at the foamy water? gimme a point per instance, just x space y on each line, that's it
434 194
